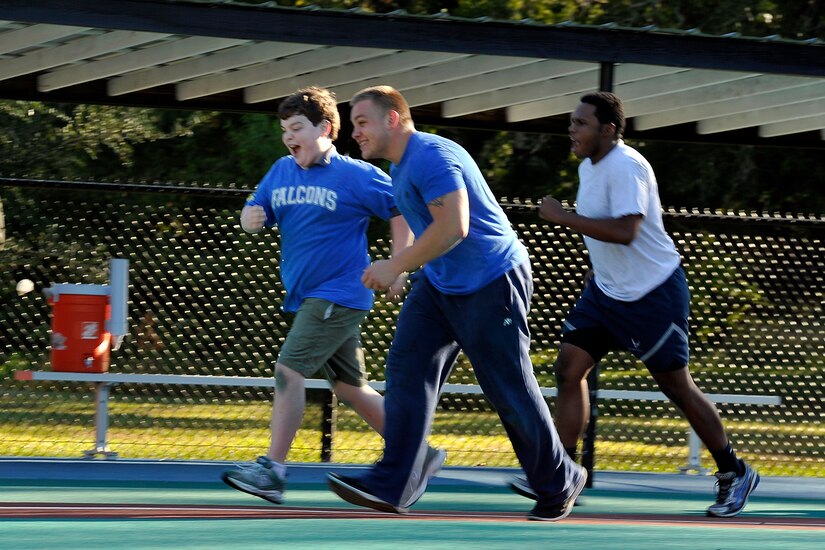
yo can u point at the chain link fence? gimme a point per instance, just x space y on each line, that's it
205 299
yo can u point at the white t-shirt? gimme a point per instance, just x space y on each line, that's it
621 184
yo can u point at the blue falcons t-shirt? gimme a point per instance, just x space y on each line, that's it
431 167
322 214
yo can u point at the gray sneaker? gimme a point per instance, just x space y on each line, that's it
732 492
433 461
257 478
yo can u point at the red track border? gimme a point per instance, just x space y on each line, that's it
28 510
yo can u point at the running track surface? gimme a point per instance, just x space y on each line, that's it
147 513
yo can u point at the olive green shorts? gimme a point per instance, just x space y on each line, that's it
326 337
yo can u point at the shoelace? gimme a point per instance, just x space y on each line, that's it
247 465
254 468
723 487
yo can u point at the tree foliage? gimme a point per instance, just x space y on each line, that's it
128 144
788 18
85 135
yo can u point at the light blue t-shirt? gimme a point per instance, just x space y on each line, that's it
431 167
322 214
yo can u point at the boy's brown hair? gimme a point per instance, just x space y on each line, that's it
317 104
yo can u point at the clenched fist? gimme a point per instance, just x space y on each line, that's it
253 218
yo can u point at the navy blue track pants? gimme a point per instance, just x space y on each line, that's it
490 326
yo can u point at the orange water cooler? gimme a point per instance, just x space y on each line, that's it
88 321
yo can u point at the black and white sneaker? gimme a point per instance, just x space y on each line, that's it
520 486
354 492
560 510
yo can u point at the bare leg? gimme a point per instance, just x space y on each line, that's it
700 411
573 401
368 403
287 411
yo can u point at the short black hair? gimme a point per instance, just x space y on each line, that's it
609 109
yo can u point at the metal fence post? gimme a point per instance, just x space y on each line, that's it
589 440
328 425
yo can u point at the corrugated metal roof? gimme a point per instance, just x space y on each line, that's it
485 73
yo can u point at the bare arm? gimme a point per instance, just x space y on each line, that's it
451 223
402 238
401 234
612 230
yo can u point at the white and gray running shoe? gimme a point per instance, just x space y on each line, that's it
433 461
257 478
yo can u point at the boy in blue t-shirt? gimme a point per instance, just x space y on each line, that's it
472 294
321 203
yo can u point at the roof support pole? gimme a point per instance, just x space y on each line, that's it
588 456
606 76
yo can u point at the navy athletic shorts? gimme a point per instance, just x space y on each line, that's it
653 328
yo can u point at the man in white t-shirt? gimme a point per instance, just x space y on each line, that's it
636 296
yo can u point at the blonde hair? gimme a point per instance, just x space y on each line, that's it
388 99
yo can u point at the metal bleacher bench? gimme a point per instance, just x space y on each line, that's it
104 381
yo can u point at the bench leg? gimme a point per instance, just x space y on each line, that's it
101 423
694 455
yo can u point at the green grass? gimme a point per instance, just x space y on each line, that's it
61 424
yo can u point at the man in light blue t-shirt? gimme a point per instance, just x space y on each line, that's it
321 202
636 297
472 294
